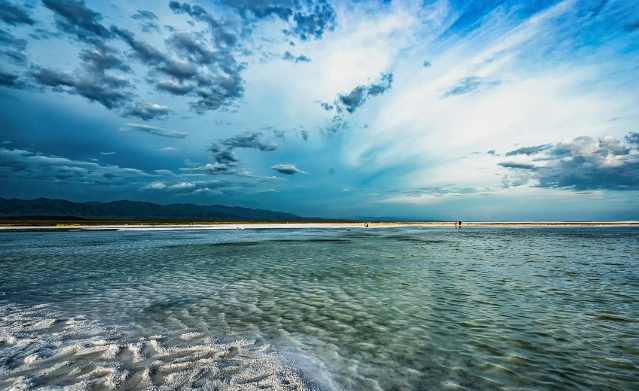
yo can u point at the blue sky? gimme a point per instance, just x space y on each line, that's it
472 110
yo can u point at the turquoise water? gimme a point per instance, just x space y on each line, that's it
361 309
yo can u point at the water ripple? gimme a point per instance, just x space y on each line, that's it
387 309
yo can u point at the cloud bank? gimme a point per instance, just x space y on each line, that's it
582 163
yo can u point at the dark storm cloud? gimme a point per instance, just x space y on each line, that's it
74 18
470 84
52 78
202 67
529 150
360 94
308 19
218 84
94 79
260 9
222 34
148 20
42 34
9 80
100 76
248 140
212 77
353 100
281 134
520 166
633 138
289 57
22 165
612 146
312 23
91 83
581 164
304 134
175 87
12 48
224 156
385 83
288 169
101 60
142 51
218 91
179 69
223 149
154 130
189 46
335 125
14 14
196 51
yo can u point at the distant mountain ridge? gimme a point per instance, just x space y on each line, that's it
52 209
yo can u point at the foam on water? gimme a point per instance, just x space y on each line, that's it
44 349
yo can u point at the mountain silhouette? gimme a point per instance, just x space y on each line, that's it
52 209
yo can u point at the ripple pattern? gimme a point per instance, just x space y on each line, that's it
383 309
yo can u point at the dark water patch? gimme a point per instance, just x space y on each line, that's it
417 240
210 245
612 318
327 240
357 237
236 244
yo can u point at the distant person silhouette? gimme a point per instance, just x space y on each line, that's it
460 223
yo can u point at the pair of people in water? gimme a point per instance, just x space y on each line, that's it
458 223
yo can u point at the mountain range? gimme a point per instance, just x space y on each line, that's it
52 209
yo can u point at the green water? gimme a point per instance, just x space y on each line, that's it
390 309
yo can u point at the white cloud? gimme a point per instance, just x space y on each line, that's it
183 185
155 186
288 169
430 136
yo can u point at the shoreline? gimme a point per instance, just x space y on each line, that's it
159 226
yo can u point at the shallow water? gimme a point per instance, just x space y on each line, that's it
389 309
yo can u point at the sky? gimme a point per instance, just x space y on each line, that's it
421 110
